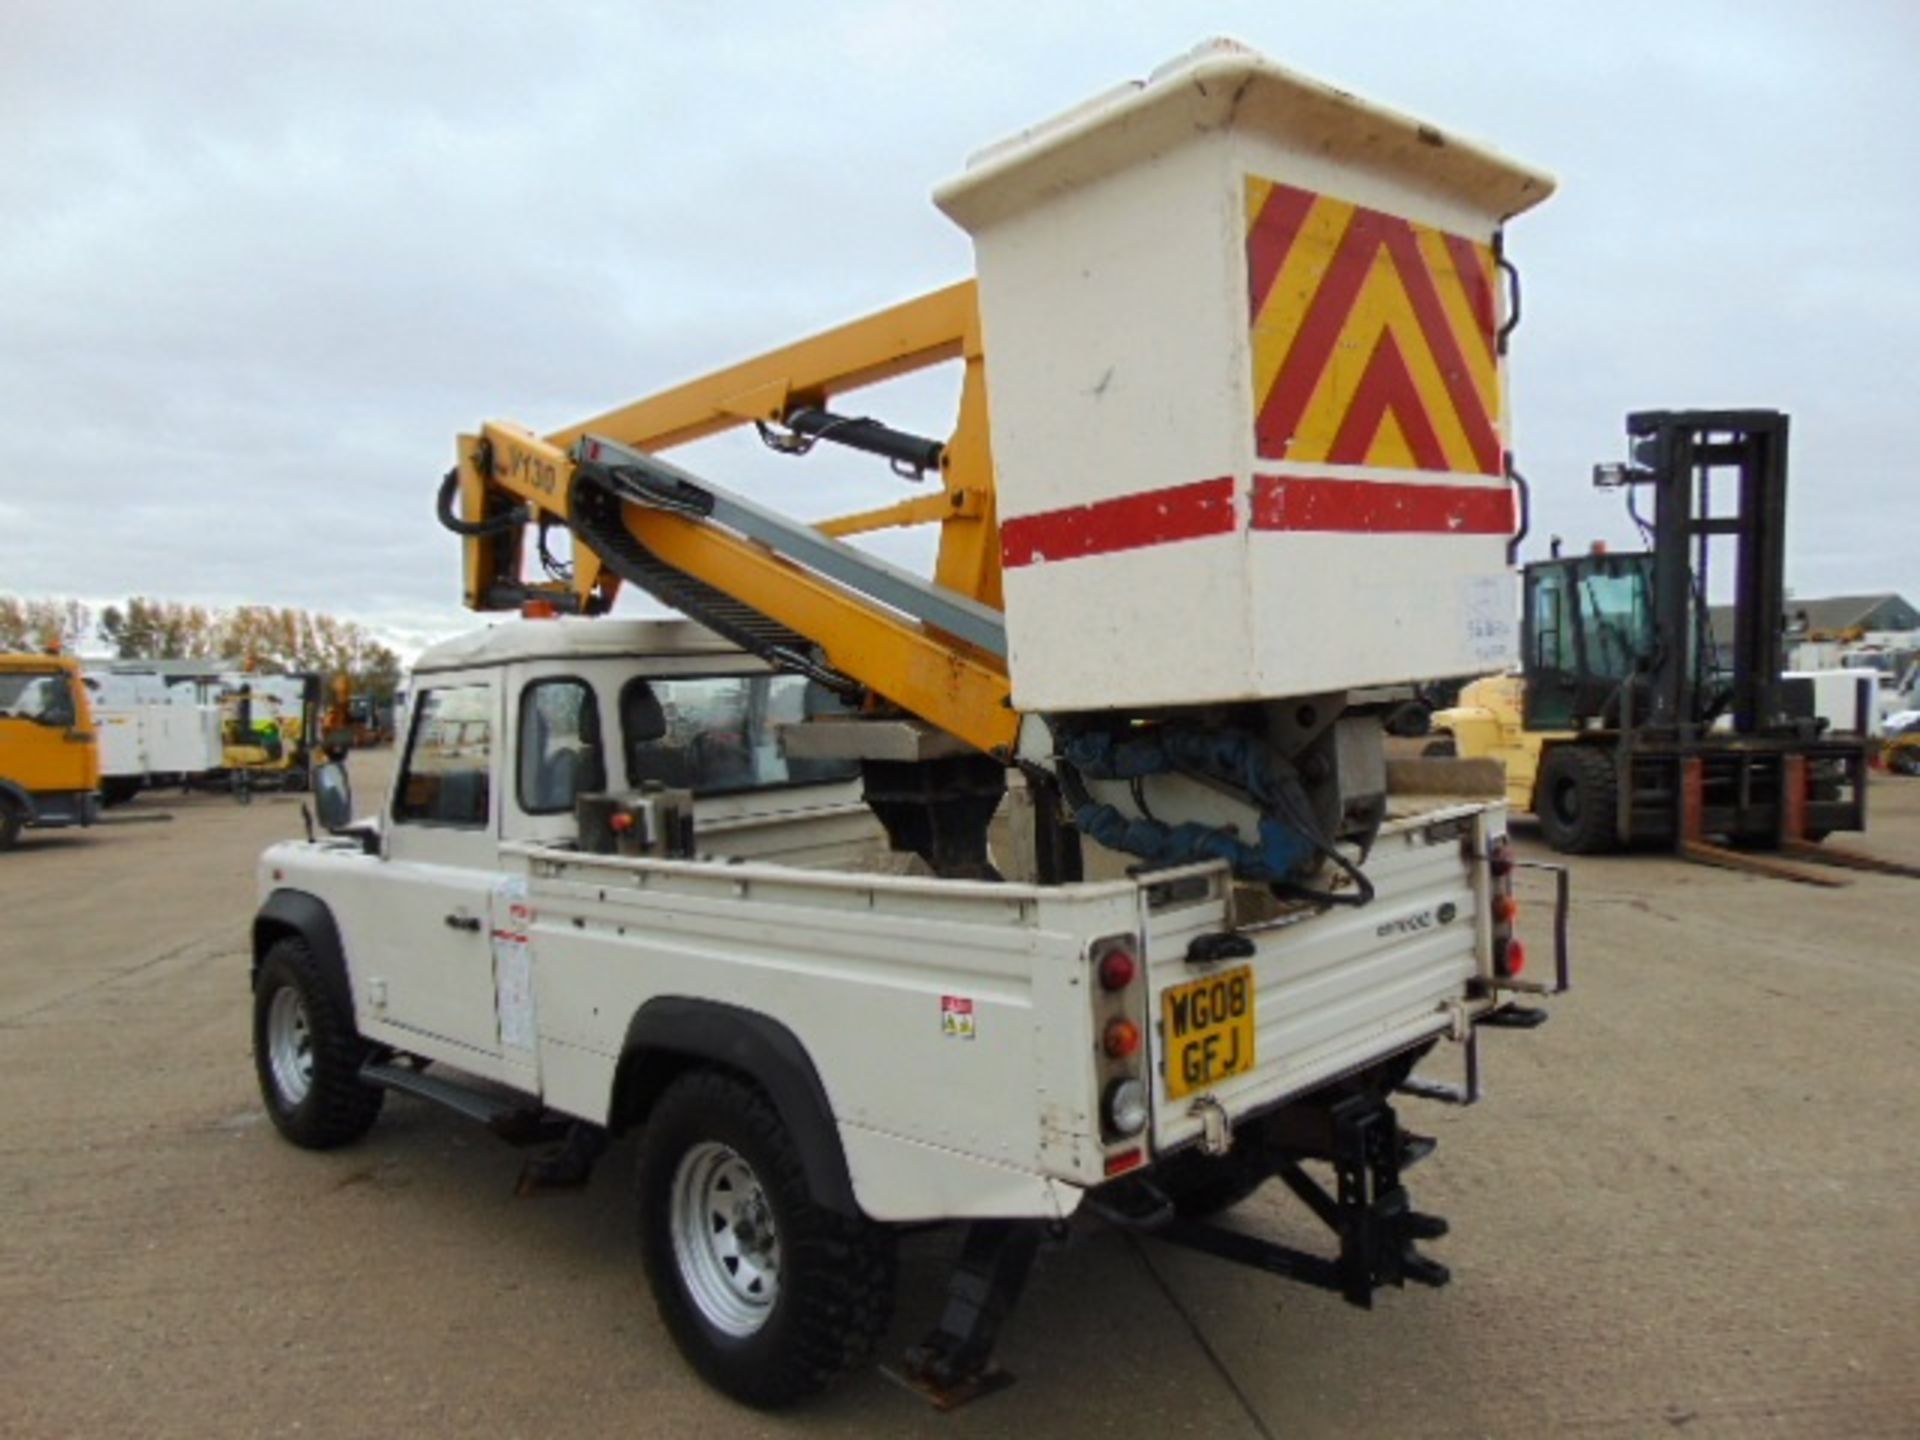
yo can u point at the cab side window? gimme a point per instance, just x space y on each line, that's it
43 697
449 758
560 752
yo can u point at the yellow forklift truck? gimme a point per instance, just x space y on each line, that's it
49 755
1626 724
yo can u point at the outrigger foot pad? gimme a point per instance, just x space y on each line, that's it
954 1364
567 1166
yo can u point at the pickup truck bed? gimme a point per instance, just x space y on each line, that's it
998 1117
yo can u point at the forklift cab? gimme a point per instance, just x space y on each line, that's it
1587 632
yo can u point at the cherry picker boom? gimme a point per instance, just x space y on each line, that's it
1206 612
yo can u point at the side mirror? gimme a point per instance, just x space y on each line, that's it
333 797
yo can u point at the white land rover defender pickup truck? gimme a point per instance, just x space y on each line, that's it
601 899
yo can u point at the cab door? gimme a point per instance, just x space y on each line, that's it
428 939
47 743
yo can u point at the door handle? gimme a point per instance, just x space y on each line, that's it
464 922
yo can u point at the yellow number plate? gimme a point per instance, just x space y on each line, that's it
1208 1026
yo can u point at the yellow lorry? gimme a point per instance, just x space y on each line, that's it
49 756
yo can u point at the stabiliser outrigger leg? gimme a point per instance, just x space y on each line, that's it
1368 1210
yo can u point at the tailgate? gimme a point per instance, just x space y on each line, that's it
1323 994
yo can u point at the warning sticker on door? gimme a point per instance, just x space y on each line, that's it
513 961
956 1017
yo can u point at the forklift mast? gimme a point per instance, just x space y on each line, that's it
1685 457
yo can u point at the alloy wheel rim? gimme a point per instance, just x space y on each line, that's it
290 1045
725 1241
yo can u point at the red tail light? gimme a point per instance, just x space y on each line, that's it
1117 969
1511 957
1505 907
1122 1038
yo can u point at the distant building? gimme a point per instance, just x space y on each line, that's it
1831 617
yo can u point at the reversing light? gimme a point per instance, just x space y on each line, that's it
1127 1107
1117 969
1121 1039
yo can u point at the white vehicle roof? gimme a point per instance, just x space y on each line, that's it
566 637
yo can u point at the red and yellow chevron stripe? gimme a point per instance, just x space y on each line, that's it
1373 337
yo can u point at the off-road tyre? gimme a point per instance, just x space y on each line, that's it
836 1275
1202 1186
1578 793
337 1107
12 822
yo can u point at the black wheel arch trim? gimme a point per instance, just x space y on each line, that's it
680 1030
289 912
20 796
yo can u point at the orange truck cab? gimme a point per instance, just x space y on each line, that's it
49 758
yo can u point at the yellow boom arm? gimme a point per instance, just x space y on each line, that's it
951 684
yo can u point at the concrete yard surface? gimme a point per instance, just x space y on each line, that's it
1687 1206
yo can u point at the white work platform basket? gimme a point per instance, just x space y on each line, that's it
1244 366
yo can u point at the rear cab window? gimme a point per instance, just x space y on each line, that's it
560 755
720 734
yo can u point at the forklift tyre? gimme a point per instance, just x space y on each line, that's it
767 1293
307 1053
1579 790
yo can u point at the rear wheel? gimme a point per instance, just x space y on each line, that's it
768 1294
1579 791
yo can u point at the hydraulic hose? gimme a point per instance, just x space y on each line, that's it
492 525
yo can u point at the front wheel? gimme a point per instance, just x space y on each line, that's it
12 822
1904 760
768 1294
1579 791
307 1054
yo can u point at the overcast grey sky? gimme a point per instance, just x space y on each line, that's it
259 263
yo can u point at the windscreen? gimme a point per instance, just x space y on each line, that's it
1616 616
